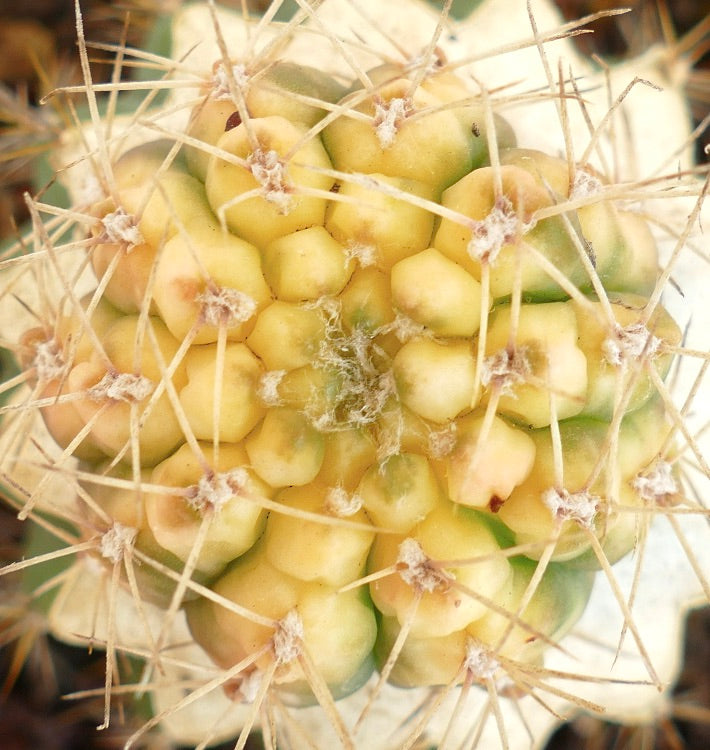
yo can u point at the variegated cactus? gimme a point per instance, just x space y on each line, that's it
364 378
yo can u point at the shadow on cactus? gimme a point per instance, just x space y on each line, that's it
363 381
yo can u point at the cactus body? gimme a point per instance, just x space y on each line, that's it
355 392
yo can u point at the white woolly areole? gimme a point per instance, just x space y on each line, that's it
121 386
656 484
584 185
371 407
115 541
88 189
389 439
432 64
388 119
363 389
220 80
630 343
506 369
249 686
501 227
268 388
121 227
417 570
215 490
580 507
270 172
442 442
339 502
362 253
479 661
225 306
405 328
288 637
48 360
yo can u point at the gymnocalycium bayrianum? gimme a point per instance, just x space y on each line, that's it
362 384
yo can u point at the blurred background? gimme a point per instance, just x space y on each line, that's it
38 54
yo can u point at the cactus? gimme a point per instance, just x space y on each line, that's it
357 383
